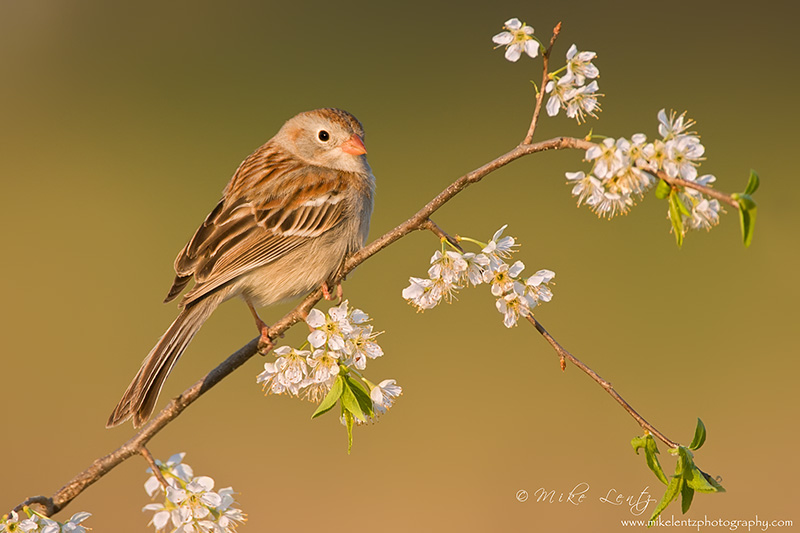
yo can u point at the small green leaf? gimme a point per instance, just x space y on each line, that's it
673 489
699 482
637 443
713 482
650 451
745 201
685 462
362 396
331 398
350 403
752 183
747 217
652 460
348 422
675 209
699 436
687 493
663 189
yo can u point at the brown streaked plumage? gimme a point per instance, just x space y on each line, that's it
290 215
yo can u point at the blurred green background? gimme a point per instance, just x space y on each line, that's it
122 122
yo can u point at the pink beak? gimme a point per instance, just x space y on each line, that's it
354 146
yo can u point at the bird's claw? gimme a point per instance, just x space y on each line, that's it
326 292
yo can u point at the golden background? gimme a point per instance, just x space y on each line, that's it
122 122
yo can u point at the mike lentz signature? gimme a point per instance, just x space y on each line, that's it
637 503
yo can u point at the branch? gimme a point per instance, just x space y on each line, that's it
545 77
419 221
564 354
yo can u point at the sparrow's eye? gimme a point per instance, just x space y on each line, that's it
324 135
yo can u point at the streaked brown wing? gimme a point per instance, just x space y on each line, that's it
265 215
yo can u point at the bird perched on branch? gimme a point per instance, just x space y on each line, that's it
290 216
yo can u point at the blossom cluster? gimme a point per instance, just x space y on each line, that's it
623 171
453 270
340 339
571 92
190 503
35 523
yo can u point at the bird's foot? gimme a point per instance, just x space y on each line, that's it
326 293
265 344
264 341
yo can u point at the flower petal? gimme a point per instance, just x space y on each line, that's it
503 38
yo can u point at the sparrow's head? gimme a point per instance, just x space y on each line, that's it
326 137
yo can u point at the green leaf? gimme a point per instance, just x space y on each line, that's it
675 209
748 208
745 201
331 398
638 443
687 493
663 189
699 436
713 482
348 422
747 219
673 489
362 396
650 451
350 403
699 481
685 462
752 183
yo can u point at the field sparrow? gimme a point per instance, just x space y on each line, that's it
291 214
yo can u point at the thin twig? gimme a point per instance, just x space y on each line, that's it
545 77
564 354
439 232
708 191
153 466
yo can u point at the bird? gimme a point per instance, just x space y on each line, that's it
292 213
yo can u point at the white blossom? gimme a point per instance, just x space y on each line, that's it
683 155
384 394
330 329
287 373
536 288
324 365
612 204
513 305
587 188
499 248
579 65
477 264
449 266
582 101
673 125
655 153
193 506
558 91
502 278
361 345
421 294
607 158
517 38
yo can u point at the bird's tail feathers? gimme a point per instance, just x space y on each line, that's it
140 398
